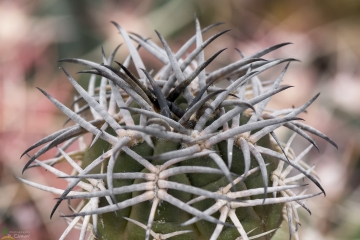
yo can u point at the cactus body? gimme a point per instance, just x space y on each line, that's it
169 217
174 156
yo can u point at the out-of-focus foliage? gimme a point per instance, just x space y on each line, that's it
35 34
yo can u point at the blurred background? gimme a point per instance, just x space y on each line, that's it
325 35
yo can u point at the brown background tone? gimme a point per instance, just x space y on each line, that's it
35 34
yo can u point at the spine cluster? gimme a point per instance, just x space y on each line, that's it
183 131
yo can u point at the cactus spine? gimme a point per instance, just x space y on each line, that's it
174 156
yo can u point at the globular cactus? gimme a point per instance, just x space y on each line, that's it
173 155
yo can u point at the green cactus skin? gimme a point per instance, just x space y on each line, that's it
174 156
168 218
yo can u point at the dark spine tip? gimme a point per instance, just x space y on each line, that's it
115 24
102 50
240 52
283 87
297 118
250 106
41 90
66 73
55 207
66 60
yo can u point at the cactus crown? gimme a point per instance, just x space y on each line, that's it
176 123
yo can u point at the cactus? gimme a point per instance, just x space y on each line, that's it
172 155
